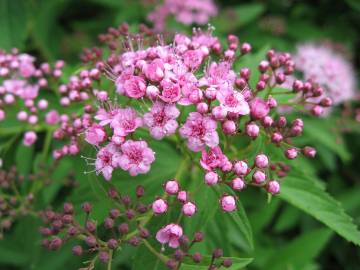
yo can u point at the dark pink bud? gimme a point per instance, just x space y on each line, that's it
245 48
272 102
112 243
267 121
276 137
260 85
104 257
291 153
318 91
326 102
77 250
245 73
281 121
309 151
182 196
297 86
240 168
240 83
159 206
86 207
317 110
227 263
55 243
263 66
261 161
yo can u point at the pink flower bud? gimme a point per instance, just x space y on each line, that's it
272 103
252 130
309 151
317 110
189 209
263 66
273 187
42 104
33 119
228 203
281 122
211 178
22 116
326 102
210 93
267 121
229 127
238 184
291 153
245 73
240 168
259 177
172 187
152 92
276 137
2 115
261 161
260 85
182 196
245 48
202 107
297 86
159 206
29 138
219 113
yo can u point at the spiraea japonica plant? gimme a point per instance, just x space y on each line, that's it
147 151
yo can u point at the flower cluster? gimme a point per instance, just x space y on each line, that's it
329 69
186 12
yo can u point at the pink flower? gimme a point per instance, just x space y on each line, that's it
193 58
240 168
200 131
106 160
95 134
170 234
106 117
259 108
29 138
161 120
273 187
171 92
154 71
211 178
125 121
213 159
135 87
172 187
261 161
233 101
136 157
191 94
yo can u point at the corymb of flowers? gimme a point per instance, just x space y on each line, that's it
187 90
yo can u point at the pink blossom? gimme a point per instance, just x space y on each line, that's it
211 178
135 87
159 206
136 157
189 209
273 187
170 234
125 121
172 187
106 160
233 101
154 71
161 120
200 131
193 59
261 161
171 92
95 134
212 159
259 108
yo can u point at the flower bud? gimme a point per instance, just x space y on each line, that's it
238 184
291 153
189 209
240 168
228 203
229 127
227 263
172 187
182 196
252 130
211 178
159 206
276 137
317 110
259 177
273 187
261 161
196 257
309 151
77 250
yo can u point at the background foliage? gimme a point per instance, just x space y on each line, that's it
303 228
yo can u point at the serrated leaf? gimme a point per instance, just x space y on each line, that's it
309 197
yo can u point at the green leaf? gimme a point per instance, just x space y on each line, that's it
312 199
24 157
240 16
300 251
13 23
322 131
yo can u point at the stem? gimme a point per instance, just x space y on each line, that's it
110 259
161 257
